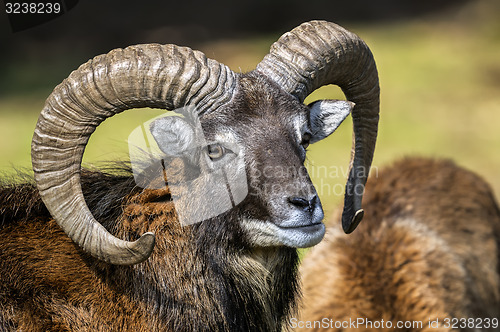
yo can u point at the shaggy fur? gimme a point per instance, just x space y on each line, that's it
202 277
428 249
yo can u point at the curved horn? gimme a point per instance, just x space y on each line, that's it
318 53
157 76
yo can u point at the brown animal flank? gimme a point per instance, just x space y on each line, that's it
429 249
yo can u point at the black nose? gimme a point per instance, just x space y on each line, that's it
303 203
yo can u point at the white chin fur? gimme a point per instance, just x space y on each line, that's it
267 234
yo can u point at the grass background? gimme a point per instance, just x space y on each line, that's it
440 90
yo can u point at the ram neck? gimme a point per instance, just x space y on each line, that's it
260 289
218 288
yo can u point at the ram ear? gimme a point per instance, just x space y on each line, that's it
173 134
326 115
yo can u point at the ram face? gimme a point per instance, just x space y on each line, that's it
241 145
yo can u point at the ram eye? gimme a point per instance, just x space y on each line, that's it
215 151
306 138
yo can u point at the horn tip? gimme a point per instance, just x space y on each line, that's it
146 243
141 249
349 225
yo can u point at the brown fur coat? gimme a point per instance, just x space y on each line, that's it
427 251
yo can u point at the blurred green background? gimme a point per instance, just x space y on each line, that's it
439 74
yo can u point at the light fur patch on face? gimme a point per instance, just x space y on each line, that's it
300 126
226 135
267 234
261 233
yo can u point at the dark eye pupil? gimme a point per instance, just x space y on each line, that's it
215 151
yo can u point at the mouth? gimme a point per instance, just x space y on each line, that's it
302 236
303 228
295 235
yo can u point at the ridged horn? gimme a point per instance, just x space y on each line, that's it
151 75
318 53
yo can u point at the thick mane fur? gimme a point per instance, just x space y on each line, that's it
104 193
202 277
